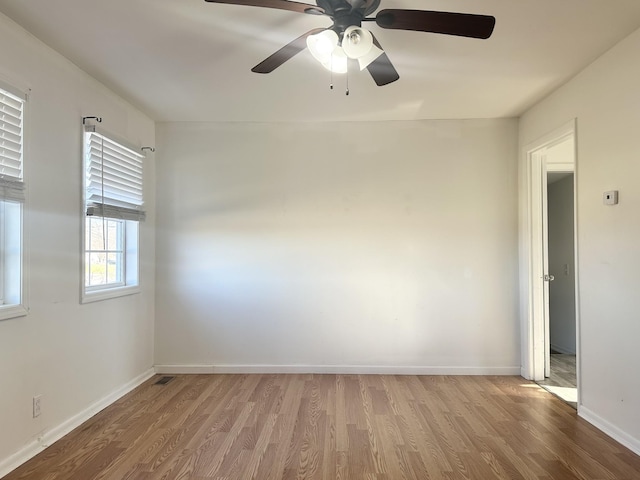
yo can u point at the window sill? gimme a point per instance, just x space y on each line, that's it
107 293
12 311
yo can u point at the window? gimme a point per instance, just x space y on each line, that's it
113 208
11 203
104 257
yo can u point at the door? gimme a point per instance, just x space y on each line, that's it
553 153
547 278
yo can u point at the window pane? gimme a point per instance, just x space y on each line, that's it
114 234
105 254
87 268
97 268
97 241
114 268
10 252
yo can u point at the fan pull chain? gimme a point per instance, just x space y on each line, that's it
331 74
347 92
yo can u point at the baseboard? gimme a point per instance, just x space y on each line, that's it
560 349
614 432
49 437
336 369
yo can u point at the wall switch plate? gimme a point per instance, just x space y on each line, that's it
36 405
610 198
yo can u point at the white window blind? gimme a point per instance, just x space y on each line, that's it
113 178
11 128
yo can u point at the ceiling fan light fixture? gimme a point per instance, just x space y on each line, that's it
324 48
337 62
367 59
346 39
357 42
321 45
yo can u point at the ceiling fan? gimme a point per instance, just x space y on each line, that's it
346 39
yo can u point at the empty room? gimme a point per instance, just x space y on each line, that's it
343 239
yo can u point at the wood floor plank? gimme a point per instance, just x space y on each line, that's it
328 427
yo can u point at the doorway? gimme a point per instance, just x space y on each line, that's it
560 369
549 299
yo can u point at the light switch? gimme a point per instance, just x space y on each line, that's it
610 198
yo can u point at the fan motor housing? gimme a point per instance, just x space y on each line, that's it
335 8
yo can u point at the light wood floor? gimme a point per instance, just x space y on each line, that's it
563 371
335 427
562 380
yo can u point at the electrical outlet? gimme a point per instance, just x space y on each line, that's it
36 405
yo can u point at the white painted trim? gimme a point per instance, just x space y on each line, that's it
613 431
13 311
47 438
530 261
576 263
20 93
554 137
335 369
14 86
560 167
545 264
107 293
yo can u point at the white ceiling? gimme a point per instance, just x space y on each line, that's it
187 60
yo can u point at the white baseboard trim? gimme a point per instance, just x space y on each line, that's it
614 432
49 437
335 369
561 349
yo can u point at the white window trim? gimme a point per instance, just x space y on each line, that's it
13 311
107 293
132 247
21 309
132 267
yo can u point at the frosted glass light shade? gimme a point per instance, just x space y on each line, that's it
324 48
338 61
369 57
321 45
357 41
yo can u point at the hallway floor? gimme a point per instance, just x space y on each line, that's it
563 380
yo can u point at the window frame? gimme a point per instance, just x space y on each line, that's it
132 262
131 241
19 308
121 242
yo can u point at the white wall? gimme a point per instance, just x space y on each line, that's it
604 99
562 291
71 354
338 247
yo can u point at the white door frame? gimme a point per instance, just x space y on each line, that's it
533 288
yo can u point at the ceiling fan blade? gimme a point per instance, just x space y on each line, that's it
381 69
279 4
460 24
287 52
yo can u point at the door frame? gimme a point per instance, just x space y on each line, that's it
533 188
